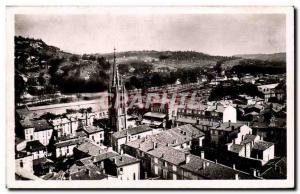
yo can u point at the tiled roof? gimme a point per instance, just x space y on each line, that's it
33 146
90 149
248 138
38 125
211 170
168 154
262 145
88 172
236 148
124 159
120 134
104 156
138 129
186 120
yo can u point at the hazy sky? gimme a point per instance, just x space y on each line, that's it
216 34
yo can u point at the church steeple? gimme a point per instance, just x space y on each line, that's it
118 105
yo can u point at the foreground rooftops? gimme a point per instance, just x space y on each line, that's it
212 170
124 159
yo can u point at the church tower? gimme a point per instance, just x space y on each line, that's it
117 100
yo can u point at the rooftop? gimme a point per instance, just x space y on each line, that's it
33 146
262 145
90 149
211 170
38 125
124 159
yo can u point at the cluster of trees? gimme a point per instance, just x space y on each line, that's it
232 91
259 67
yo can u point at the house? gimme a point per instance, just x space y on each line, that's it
220 112
268 90
62 126
220 134
24 161
87 149
65 148
37 130
37 149
121 137
155 119
96 134
125 167
251 146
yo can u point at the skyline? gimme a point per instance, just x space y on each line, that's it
206 33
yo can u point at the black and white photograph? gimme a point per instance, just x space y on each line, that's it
150 97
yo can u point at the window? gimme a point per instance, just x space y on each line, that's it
134 176
21 163
121 170
67 150
165 164
100 135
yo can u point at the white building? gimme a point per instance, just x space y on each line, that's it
37 130
230 114
128 167
96 134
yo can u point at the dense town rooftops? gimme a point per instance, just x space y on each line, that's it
211 170
104 156
92 129
123 160
33 146
172 137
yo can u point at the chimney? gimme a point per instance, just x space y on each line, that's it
236 176
187 158
254 172
202 155
233 166
155 144
94 159
203 165
122 151
121 158
216 161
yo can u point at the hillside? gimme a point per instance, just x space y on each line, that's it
264 57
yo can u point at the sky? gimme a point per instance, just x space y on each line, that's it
215 34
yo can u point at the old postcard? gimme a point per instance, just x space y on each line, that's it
150 97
